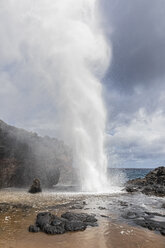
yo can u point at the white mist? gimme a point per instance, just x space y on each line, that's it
59 54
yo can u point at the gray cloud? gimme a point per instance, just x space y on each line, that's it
138 41
135 81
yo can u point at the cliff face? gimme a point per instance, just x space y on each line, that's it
25 155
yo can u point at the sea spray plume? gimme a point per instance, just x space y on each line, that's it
59 49
83 59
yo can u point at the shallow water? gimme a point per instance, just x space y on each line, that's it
112 232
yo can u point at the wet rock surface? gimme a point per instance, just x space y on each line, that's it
152 221
68 222
152 184
5 207
78 206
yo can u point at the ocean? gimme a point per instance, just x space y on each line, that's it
130 173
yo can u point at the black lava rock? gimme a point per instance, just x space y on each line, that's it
43 219
33 228
152 224
57 229
152 221
68 222
152 184
79 217
75 226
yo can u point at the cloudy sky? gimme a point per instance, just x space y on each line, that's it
134 85
135 81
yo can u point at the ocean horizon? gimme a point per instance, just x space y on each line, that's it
130 173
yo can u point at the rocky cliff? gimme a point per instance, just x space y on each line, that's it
25 155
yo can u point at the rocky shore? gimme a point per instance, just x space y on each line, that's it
142 206
152 184
55 213
151 220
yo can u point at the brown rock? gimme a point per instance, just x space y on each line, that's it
35 187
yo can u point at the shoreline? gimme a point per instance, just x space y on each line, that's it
112 230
